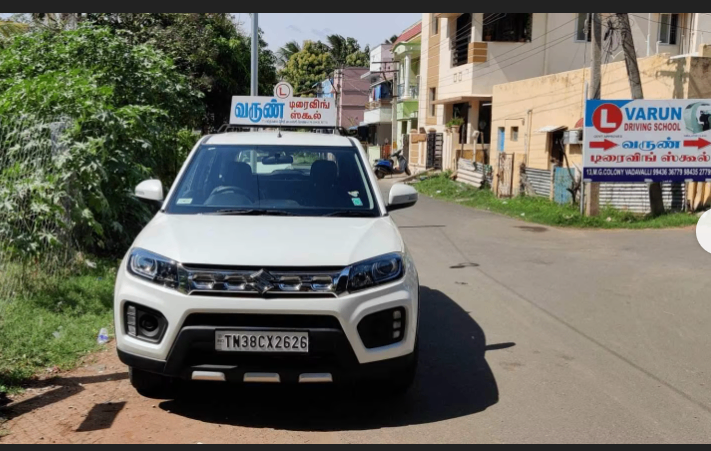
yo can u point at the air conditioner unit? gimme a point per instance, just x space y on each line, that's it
573 137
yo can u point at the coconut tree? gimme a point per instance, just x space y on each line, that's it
285 53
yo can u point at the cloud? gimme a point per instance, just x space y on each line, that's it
322 33
294 29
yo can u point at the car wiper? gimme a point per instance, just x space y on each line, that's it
350 214
251 213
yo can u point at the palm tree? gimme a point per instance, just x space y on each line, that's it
338 46
285 53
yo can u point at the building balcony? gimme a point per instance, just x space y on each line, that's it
381 115
377 104
411 92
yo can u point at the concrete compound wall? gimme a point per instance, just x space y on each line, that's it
559 100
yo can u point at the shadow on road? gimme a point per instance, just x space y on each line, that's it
454 380
65 387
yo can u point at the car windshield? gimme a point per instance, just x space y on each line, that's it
284 180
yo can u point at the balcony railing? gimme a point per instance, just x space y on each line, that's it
410 92
382 103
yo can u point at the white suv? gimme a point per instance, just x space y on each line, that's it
273 259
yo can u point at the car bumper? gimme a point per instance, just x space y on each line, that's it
336 347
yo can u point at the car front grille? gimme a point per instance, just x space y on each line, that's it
260 282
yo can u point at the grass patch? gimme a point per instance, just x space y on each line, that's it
54 324
543 211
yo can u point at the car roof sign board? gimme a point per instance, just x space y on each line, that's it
647 141
283 110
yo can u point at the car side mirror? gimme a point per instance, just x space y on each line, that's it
151 191
402 196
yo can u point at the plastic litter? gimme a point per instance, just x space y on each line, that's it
103 337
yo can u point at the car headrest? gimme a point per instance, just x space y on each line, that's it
324 172
238 174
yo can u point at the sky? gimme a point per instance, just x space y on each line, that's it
367 28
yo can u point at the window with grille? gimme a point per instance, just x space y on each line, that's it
668 28
583 28
461 39
508 27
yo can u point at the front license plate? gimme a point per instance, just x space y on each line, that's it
263 342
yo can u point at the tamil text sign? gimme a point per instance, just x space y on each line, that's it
283 110
647 141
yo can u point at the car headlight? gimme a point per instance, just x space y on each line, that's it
375 272
154 267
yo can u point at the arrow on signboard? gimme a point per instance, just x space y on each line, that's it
699 143
605 145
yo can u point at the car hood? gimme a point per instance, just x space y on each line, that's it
269 241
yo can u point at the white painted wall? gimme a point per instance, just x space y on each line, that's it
379 115
379 56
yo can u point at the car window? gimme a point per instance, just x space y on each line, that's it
302 181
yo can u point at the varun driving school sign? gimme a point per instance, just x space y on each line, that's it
283 110
647 141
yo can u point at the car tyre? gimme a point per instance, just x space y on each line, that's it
150 385
398 383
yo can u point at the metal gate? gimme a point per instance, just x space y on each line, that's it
435 146
505 168
562 185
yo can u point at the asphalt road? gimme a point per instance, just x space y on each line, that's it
529 335
611 331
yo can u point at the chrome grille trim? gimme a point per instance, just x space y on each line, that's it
298 282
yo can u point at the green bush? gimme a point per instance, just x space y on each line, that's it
127 114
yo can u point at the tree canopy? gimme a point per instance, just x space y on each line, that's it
316 61
207 47
126 113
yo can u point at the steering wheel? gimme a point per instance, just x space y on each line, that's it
232 189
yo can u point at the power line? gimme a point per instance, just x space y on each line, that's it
545 47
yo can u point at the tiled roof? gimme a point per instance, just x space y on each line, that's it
409 34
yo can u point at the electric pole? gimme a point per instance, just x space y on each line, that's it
623 22
255 54
596 88
592 194
396 96
255 77
656 200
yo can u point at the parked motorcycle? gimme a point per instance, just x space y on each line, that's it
383 168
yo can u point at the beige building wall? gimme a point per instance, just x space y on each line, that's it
558 101
553 49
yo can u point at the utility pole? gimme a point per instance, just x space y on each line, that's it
255 54
396 96
592 190
623 22
656 200
255 77
337 84
596 88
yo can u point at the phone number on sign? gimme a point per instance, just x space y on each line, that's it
659 172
